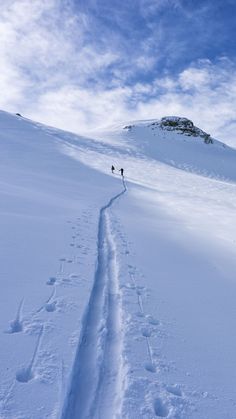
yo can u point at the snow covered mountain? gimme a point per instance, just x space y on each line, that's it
117 295
177 142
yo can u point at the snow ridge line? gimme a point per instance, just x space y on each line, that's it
97 381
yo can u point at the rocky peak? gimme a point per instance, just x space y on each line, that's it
184 126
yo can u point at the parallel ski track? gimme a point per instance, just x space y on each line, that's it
97 380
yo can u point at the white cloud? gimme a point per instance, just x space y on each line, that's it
51 73
81 110
193 78
207 95
150 7
42 46
211 108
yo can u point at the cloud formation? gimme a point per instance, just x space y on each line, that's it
82 66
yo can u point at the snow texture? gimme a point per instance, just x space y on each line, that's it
117 293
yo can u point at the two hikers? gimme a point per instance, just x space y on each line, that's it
121 170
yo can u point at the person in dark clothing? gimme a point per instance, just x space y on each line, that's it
112 168
121 172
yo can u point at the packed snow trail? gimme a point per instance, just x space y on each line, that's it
97 381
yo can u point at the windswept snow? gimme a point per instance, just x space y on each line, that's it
117 296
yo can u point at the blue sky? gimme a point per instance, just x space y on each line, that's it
172 33
81 64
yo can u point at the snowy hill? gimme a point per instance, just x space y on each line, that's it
177 142
117 296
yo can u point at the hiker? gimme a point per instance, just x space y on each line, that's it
112 168
121 172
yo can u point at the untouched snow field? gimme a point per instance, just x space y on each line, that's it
117 295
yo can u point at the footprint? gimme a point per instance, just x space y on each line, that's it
152 320
160 409
66 280
24 375
139 314
174 389
146 333
16 325
51 280
50 307
149 366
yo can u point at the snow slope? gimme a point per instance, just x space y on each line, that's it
117 297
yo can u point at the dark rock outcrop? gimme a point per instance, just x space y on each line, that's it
183 126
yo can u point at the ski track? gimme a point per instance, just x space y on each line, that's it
97 380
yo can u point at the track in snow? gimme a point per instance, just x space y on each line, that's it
97 379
